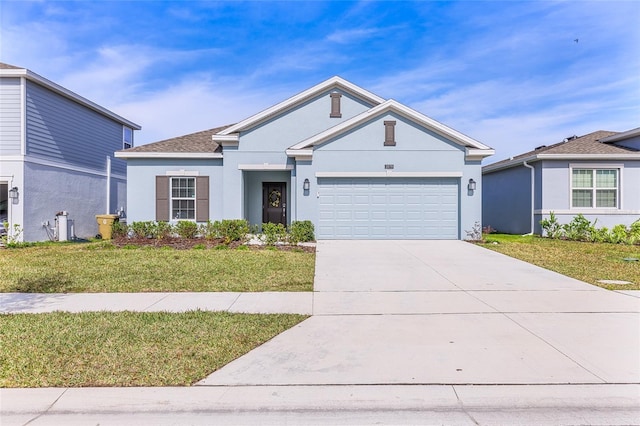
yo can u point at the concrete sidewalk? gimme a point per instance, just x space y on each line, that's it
325 405
266 302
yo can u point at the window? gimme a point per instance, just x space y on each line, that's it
594 188
127 137
183 198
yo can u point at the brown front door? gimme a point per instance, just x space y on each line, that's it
274 202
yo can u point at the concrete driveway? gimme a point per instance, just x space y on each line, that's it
446 312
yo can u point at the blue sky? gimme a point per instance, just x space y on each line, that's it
507 73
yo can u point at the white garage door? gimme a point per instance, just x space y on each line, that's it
388 208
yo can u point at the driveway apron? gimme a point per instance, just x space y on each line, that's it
446 312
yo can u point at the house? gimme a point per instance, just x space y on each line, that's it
596 175
356 165
55 151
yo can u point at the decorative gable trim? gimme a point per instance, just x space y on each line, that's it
300 154
478 149
332 83
226 140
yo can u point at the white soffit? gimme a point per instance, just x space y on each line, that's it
389 173
265 167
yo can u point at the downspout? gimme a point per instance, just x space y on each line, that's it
524 163
108 184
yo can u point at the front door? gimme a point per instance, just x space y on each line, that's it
274 202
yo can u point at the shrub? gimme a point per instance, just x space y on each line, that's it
162 230
579 229
143 229
119 229
273 232
186 229
618 234
301 231
231 229
551 227
210 230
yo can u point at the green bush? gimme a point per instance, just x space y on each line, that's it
143 229
232 230
579 229
551 227
273 233
162 230
301 231
186 229
210 230
119 229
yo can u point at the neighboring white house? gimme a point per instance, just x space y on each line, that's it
55 147
596 175
356 165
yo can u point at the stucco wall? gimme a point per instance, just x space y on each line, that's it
506 200
48 190
141 196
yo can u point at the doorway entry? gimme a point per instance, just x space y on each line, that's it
274 202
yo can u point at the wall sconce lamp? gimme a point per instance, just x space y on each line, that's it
472 185
13 193
306 185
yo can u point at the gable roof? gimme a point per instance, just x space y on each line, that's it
193 145
475 149
589 146
7 70
622 136
332 83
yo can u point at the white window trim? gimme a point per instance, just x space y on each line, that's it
124 142
596 166
171 197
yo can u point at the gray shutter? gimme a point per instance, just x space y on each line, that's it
162 198
202 198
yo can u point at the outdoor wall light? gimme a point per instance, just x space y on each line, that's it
13 193
472 185
306 185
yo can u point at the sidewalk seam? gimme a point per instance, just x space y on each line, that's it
48 408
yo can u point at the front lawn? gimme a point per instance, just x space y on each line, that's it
588 262
126 348
101 267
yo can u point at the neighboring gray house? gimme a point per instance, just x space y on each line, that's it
354 164
597 175
54 146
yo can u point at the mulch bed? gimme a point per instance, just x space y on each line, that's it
190 243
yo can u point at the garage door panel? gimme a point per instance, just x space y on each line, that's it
382 208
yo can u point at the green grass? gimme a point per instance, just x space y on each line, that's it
127 349
100 267
588 262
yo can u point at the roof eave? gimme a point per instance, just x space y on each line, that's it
30 75
197 155
539 157
622 136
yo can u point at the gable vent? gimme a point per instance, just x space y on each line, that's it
390 133
335 105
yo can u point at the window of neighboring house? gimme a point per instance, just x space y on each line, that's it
127 137
183 198
595 188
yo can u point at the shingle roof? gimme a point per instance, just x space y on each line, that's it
587 144
4 66
193 142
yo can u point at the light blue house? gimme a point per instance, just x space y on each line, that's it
596 175
356 165
55 157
